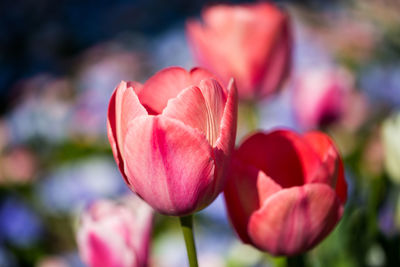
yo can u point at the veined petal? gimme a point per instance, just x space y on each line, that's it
169 164
200 108
295 219
225 143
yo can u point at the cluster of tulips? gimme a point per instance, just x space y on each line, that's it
173 139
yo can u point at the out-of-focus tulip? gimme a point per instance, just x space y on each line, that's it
172 137
251 43
391 146
285 192
320 96
116 235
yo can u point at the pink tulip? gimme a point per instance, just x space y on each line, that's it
250 42
285 192
116 235
172 137
320 96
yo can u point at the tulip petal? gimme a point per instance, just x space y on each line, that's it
167 84
241 195
169 164
200 108
330 157
277 67
215 102
275 151
190 108
239 41
124 106
225 144
295 219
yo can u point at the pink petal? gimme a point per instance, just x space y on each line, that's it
278 65
190 108
225 144
275 151
200 108
330 157
124 106
169 164
167 84
295 219
243 42
241 197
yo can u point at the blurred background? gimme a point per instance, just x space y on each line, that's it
61 60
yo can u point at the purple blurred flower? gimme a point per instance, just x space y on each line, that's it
18 224
77 184
382 84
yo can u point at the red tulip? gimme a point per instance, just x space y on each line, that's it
116 235
172 137
285 192
251 43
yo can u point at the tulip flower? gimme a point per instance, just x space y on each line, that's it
172 137
116 235
391 144
320 96
250 42
285 192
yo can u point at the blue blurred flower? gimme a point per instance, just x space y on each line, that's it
76 184
382 84
19 225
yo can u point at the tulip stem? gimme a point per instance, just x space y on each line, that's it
187 229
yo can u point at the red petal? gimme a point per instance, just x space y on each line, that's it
246 188
295 219
330 157
283 155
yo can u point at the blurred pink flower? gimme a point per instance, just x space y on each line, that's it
286 192
250 42
320 96
18 165
116 235
172 137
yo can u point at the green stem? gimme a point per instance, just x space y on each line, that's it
187 229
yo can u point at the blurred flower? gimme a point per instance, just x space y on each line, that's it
76 184
391 145
43 112
286 192
18 224
18 165
387 217
250 42
172 137
320 96
381 83
113 234
103 66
